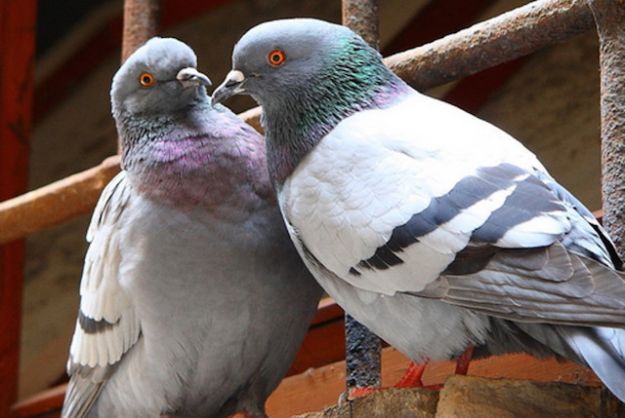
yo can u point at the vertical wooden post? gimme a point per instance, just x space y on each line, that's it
17 54
362 347
610 19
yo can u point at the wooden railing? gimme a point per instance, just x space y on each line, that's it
498 40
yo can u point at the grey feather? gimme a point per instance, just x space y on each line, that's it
488 250
193 299
551 285
80 397
603 350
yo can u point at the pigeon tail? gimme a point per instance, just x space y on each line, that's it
80 397
603 350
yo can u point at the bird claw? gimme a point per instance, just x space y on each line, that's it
412 377
464 360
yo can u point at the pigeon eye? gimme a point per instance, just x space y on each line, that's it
276 57
147 80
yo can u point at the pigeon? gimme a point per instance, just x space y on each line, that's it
193 299
433 228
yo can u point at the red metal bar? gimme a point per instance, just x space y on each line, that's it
17 52
610 19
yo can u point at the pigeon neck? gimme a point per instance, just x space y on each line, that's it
205 157
301 118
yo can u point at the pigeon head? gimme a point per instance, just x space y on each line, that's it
159 77
308 75
293 59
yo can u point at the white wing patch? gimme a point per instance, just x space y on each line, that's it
103 300
378 168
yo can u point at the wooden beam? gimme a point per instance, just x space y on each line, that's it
56 202
361 16
17 54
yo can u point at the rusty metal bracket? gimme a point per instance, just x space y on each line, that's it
362 347
141 18
361 16
610 19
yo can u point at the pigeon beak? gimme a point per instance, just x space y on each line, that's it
191 77
232 85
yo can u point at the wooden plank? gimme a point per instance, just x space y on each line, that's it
17 52
56 202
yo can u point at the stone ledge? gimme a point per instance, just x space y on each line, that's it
477 397
395 403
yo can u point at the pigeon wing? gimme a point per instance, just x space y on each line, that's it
107 326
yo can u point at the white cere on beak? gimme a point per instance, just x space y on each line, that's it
232 85
235 76
190 76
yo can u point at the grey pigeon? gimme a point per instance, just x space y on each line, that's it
430 226
193 300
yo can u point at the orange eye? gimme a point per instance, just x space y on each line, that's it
147 80
276 57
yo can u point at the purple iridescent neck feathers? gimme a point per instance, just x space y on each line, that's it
204 157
